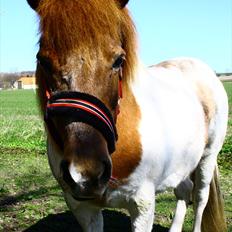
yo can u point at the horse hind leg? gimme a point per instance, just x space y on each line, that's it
208 202
203 176
183 193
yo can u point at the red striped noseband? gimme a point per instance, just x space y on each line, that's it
80 107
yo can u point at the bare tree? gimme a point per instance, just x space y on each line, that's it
7 80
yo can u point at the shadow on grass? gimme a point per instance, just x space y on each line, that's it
6 201
113 222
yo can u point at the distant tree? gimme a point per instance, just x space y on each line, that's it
7 80
27 73
8 77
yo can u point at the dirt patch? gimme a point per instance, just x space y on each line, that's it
18 151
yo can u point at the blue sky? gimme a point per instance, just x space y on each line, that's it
166 29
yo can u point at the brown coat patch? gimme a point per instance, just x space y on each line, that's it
129 149
205 96
182 65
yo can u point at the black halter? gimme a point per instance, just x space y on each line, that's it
83 108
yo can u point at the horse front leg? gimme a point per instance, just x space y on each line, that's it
142 207
89 217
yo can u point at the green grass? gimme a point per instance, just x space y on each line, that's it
225 161
225 157
28 191
20 121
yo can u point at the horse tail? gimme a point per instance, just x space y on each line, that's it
213 217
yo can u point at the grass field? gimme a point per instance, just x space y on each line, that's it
30 199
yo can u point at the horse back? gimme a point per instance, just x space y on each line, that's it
207 86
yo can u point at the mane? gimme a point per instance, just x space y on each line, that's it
69 24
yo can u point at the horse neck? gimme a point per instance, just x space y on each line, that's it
128 149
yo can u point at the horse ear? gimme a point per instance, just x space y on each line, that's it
33 4
122 3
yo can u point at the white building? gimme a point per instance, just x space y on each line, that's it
25 83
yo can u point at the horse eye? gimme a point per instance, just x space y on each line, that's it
45 63
118 62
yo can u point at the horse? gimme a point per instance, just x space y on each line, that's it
118 133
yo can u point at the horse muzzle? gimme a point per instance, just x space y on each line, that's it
88 184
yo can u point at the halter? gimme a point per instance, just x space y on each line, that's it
81 107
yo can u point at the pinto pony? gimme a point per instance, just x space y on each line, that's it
118 133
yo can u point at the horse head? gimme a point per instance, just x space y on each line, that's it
81 60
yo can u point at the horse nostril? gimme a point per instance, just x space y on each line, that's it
104 176
66 174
